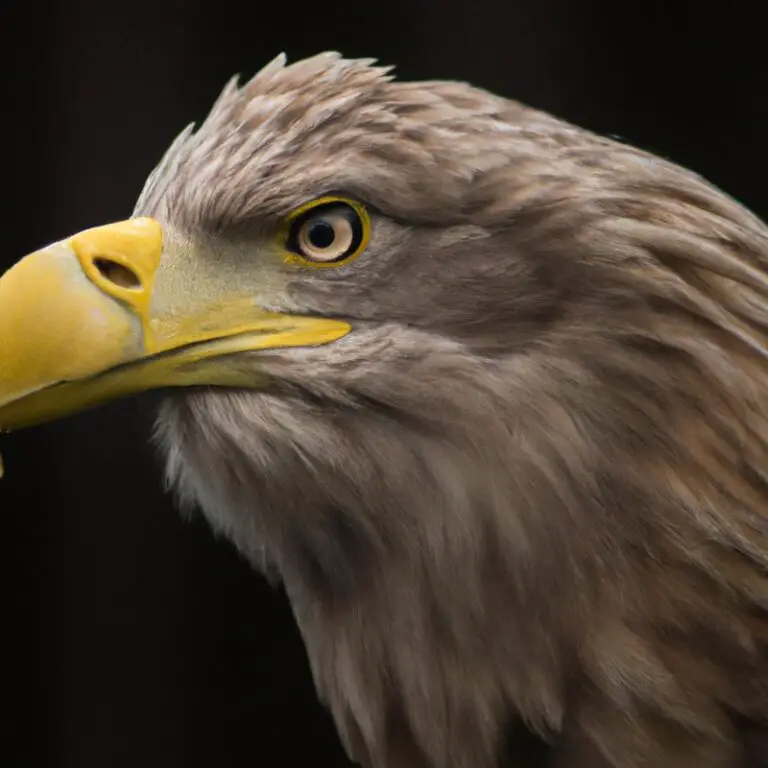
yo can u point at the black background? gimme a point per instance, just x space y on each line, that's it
136 639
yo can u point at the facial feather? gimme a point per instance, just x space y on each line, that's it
531 483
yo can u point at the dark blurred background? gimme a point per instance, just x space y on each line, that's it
134 638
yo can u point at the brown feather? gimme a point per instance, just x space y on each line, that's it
531 484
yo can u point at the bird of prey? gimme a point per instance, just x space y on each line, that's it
486 392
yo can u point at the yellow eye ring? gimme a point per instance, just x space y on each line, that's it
327 232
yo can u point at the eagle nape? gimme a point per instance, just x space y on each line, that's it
487 391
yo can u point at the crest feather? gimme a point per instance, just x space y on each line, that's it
245 117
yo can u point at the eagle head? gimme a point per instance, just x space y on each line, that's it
486 392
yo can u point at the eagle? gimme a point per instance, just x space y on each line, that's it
485 392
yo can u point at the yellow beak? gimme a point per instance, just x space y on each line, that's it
77 329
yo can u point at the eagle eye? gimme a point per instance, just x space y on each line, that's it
327 232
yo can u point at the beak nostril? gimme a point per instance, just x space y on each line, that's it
118 274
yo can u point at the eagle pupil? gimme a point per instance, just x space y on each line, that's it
321 234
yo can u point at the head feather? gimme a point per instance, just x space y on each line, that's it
532 482
327 123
